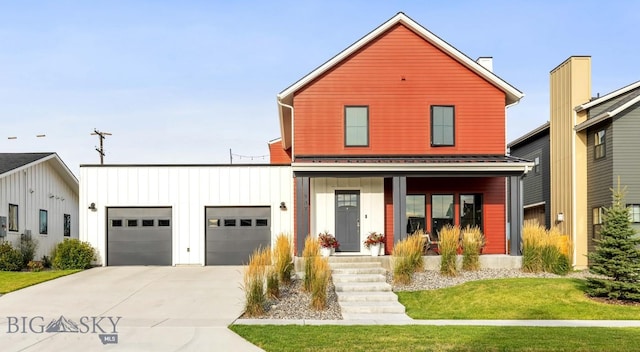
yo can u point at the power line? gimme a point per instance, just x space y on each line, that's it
100 150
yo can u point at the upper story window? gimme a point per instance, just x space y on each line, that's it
536 165
356 126
599 149
442 126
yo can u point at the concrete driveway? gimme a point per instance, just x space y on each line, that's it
127 309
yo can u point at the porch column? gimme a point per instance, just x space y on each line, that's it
515 214
302 212
399 208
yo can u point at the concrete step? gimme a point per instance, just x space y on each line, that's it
371 308
355 259
367 297
345 278
357 265
386 318
362 287
372 270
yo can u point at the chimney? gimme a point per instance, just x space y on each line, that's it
486 62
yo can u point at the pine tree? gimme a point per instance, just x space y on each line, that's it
617 255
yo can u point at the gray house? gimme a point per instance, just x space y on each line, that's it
613 144
536 199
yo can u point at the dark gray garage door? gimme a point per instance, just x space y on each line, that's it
233 233
139 236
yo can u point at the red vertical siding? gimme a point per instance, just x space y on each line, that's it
399 76
492 189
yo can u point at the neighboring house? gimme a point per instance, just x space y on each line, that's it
38 196
534 146
591 143
398 132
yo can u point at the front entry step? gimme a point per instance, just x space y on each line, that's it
363 293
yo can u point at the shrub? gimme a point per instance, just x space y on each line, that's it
273 284
10 258
320 282
283 258
532 239
407 258
311 250
448 246
472 243
617 255
73 254
46 261
28 246
254 273
35 265
545 250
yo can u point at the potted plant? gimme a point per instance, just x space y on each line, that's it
373 242
328 243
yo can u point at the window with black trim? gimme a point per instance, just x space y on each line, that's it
471 210
164 222
356 126
441 213
67 225
416 213
229 222
132 222
43 222
262 222
536 165
599 148
634 212
597 214
148 222
13 217
442 125
245 222
116 223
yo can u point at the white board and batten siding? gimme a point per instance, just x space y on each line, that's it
187 190
36 187
323 215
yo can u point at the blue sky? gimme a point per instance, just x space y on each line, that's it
185 81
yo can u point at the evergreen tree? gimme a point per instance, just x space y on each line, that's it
617 255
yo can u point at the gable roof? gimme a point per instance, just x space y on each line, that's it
530 135
512 95
13 162
614 109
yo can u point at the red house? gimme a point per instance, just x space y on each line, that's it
397 132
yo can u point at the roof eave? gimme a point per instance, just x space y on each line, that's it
607 97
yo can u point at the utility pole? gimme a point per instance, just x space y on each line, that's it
100 150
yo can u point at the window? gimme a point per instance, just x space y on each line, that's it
356 126
43 222
245 222
214 222
262 222
229 222
441 212
164 222
471 210
67 225
13 217
634 212
116 223
536 165
597 221
132 222
442 126
147 222
599 149
415 213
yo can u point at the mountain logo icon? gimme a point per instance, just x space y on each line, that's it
62 324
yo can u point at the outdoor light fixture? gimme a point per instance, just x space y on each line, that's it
283 206
560 217
92 207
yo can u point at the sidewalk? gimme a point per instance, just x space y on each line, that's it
534 323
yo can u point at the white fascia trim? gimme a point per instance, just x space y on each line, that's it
607 114
534 205
609 96
513 95
439 167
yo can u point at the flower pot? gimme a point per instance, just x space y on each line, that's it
325 251
374 249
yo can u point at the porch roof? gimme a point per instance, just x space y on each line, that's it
419 165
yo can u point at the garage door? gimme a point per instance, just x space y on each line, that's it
139 236
233 233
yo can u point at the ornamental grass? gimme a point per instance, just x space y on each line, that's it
254 282
283 258
472 243
320 282
407 258
448 246
311 250
545 250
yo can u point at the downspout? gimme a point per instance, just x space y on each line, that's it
506 185
293 155
573 187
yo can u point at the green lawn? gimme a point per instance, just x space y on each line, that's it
11 281
530 298
437 338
